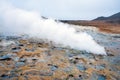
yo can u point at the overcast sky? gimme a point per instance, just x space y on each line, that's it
70 9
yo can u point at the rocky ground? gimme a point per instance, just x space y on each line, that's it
24 58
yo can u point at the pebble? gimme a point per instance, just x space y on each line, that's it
81 67
53 68
6 57
19 64
101 77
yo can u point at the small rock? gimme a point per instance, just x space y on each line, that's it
4 76
43 73
70 77
16 49
101 77
21 45
29 50
18 64
32 72
81 67
53 68
6 57
100 67
22 60
109 54
15 59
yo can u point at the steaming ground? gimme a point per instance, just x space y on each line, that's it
20 21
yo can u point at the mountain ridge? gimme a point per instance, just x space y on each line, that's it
115 18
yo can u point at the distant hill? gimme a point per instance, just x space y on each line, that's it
111 19
107 24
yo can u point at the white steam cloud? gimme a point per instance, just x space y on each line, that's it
16 20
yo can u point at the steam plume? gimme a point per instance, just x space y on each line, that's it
15 20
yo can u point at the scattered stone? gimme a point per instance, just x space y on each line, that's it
12 37
100 67
81 67
70 75
32 72
53 68
16 49
21 45
101 77
110 54
19 64
34 59
29 50
4 76
15 59
22 60
6 57
5 43
43 73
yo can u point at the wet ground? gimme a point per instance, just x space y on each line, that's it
24 58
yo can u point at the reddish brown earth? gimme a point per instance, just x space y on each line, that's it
102 25
110 24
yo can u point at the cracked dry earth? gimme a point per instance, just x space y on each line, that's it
27 59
